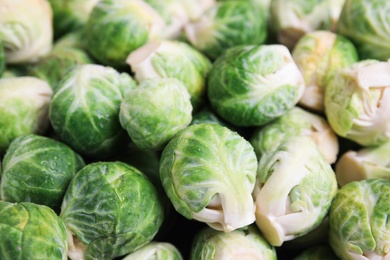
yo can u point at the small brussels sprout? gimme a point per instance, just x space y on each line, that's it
318 55
367 163
26 29
291 19
252 85
359 227
123 214
366 23
156 251
38 169
117 27
154 111
243 243
69 15
2 58
317 253
296 122
208 173
84 111
54 66
172 59
227 24
357 102
24 106
31 231
294 190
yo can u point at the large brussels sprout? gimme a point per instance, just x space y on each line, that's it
54 66
291 19
357 102
26 29
38 169
156 251
294 190
252 85
154 111
243 243
84 111
296 122
208 173
24 106
172 59
31 231
117 27
359 227
227 24
317 253
69 15
366 163
110 209
366 23
318 55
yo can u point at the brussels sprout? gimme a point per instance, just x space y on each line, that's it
2 58
154 111
252 85
244 243
359 227
26 29
31 231
121 215
318 55
367 163
208 173
156 251
73 39
366 23
227 24
296 122
24 106
357 102
291 19
172 59
117 27
317 253
294 190
54 66
38 169
84 111
69 15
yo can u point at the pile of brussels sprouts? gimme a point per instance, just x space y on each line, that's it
194 129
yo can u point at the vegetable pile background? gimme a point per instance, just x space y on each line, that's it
194 129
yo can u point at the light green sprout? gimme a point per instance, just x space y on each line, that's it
156 251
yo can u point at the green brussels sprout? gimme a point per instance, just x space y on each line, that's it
293 123
317 253
252 85
359 227
227 24
69 15
24 106
156 251
172 59
291 19
357 102
208 173
26 29
154 111
54 66
366 23
38 169
294 190
243 243
117 27
367 163
318 55
110 209
2 58
84 111
31 231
